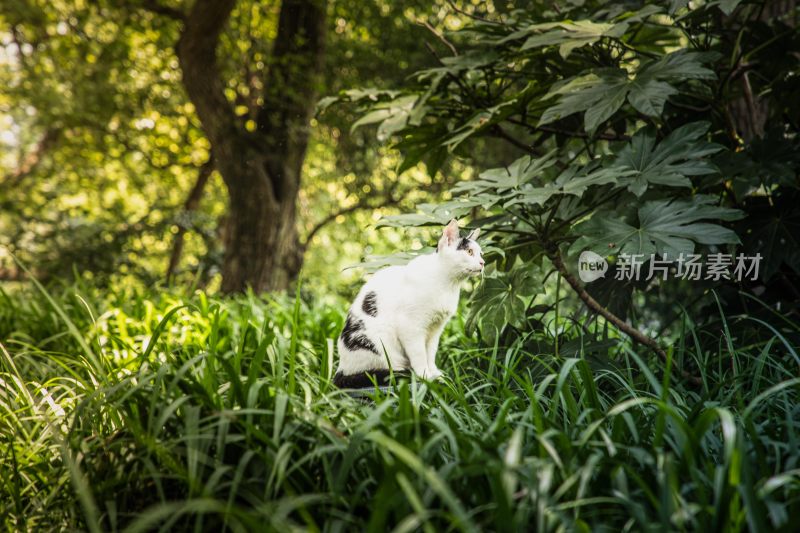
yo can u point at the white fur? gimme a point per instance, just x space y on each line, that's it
414 303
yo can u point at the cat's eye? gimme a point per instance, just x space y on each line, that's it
470 252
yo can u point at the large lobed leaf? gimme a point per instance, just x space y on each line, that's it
638 165
498 183
680 155
598 95
601 93
500 299
431 214
664 227
573 181
567 35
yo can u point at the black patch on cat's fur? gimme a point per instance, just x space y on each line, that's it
464 244
370 304
355 340
364 380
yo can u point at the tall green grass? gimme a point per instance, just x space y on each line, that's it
137 411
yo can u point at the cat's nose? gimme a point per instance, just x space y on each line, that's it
481 262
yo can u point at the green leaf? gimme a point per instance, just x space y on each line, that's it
477 122
470 60
372 117
573 181
676 5
534 196
680 155
640 15
649 97
392 115
369 94
727 6
324 103
567 35
680 65
500 299
431 214
499 181
577 185
599 94
613 98
421 144
664 227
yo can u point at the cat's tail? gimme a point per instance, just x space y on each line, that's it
366 379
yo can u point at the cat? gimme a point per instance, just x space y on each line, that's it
398 316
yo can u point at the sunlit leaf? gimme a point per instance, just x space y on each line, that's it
568 35
432 214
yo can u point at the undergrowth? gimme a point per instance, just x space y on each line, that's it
143 410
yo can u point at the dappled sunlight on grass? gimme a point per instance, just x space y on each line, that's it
165 410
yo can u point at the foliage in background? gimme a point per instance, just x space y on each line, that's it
130 411
101 150
640 128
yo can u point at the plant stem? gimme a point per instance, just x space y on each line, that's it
555 257
558 304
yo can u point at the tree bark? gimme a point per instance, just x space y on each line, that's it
261 169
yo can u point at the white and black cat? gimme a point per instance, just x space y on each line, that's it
399 314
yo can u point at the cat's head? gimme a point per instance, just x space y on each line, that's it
461 255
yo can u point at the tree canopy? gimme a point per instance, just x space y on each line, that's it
108 161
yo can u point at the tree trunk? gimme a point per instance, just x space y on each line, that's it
261 169
260 235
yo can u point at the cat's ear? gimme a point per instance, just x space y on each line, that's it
473 235
449 235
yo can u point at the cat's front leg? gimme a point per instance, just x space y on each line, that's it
416 352
432 346
433 373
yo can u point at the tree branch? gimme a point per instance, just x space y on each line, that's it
388 200
555 257
503 134
197 54
460 11
16 38
191 203
425 24
154 6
